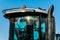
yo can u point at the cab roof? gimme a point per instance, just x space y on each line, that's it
13 10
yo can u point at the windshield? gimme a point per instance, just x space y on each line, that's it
28 28
21 26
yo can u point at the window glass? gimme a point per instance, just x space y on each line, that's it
43 27
36 33
21 24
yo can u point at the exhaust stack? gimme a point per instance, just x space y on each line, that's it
50 22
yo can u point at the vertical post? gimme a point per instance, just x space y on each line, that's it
53 28
29 30
11 31
40 38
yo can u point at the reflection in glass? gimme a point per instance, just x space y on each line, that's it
20 30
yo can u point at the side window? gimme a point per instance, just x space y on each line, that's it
43 30
36 33
43 27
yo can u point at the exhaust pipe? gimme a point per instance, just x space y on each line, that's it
50 23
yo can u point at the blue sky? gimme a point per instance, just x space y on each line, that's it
7 4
